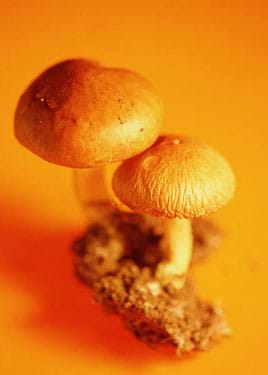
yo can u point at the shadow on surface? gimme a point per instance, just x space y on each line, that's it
37 258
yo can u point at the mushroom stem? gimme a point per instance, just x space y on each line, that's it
179 244
89 186
94 185
108 172
91 193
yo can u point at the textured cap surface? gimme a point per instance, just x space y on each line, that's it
80 114
176 177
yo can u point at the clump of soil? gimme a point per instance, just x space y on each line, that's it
117 258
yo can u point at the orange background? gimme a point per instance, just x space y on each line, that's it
209 61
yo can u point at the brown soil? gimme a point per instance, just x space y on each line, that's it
117 258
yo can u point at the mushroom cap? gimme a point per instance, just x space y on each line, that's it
176 177
80 114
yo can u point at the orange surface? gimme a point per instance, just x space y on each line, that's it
209 61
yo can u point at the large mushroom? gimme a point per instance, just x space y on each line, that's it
176 179
79 114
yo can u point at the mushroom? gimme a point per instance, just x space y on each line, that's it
79 114
82 115
176 179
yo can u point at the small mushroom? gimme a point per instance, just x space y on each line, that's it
177 179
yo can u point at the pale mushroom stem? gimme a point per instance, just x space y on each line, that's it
179 243
91 193
89 185
108 172
93 190
94 186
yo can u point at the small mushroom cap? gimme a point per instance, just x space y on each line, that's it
176 177
80 114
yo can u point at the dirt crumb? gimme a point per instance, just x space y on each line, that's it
117 259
